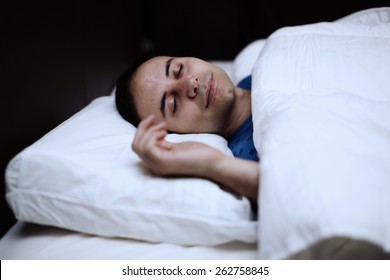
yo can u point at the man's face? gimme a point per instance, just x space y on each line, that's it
189 94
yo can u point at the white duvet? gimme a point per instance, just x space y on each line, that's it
321 111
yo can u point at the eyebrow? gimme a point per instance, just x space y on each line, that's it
167 66
164 96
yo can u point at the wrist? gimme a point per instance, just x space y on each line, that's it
217 168
213 167
238 175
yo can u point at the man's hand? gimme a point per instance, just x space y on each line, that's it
194 159
167 158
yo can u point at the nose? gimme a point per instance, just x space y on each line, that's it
188 86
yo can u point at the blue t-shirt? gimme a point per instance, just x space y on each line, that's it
241 142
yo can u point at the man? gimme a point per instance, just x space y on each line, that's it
189 95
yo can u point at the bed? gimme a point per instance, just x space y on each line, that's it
321 114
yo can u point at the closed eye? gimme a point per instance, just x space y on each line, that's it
179 72
174 103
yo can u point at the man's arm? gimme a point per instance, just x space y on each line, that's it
194 159
240 176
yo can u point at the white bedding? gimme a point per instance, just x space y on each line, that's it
321 111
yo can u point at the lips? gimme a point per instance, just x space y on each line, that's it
210 91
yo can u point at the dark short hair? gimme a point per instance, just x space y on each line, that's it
124 98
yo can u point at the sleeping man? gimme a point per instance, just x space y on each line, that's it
189 95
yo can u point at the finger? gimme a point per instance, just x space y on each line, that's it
147 140
155 132
154 140
142 127
149 126
141 132
146 123
152 150
166 145
155 137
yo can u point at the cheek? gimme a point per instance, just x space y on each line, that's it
190 120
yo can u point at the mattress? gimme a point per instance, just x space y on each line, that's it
30 241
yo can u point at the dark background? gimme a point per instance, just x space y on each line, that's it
57 56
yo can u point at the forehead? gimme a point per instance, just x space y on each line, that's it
152 67
147 86
149 74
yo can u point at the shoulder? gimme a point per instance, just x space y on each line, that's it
246 83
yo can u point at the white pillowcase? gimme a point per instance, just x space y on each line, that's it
83 176
244 62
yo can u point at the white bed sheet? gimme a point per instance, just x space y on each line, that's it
29 241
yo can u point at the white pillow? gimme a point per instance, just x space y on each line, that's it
244 62
83 176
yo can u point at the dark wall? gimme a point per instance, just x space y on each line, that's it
219 29
204 28
278 14
56 56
